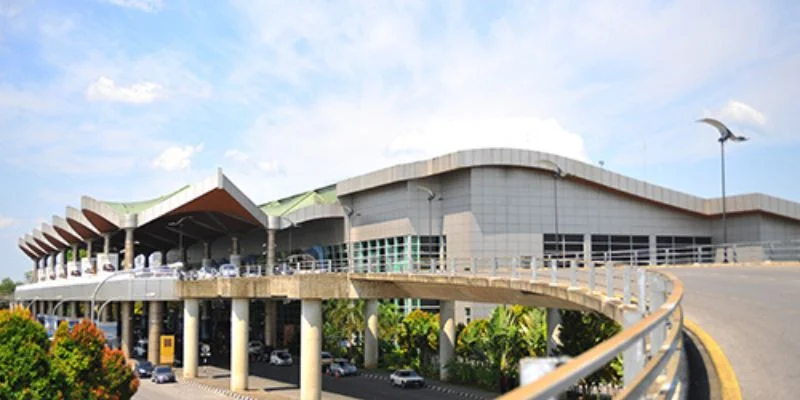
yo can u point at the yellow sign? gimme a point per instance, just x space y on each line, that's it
167 349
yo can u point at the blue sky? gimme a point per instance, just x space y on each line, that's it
128 99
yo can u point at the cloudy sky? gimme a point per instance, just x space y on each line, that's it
128 99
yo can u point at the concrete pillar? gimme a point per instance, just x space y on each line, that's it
73 309
553 321
50 305
75 251
156 320
235 258
653 250
126 324
270 322
128 263
371 334
190 337
106 243
587 248
447 336
240 321
271 248
206 261
105 316
310 350
89 248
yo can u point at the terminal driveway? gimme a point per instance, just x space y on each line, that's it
754 315
173 391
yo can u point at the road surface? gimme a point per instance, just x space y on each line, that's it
173 391
754 315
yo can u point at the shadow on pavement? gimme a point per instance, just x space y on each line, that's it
699 385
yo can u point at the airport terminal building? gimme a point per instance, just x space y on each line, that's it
484 203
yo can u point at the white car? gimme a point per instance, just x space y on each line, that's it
140 348
280 357
406 378
229 271
255 347
206 273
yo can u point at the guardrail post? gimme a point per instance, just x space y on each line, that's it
626 277
553 271
514 268
610 279
642 278
573 273
592 276
633 358
656 300
494 266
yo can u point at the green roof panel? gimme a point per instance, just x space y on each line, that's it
288 205
139 206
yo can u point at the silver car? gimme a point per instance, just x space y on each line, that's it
162 374
229 271
341 368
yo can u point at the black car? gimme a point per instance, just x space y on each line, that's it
144 369
163 374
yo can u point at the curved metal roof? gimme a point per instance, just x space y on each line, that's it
80 224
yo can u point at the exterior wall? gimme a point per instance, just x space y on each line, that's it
741 228
776 228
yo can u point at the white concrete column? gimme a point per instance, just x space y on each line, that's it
553 321
75 250
155 316
191 335
129 251
240 318
447 336
270 322
89 248
106 243
310 350
271 248
587 248
73 309
371 334
126 324
653 250
235 258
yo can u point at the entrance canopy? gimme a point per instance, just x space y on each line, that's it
204 211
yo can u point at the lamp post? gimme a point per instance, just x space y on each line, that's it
99 285
558 173
725 135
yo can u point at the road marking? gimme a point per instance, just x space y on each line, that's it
723 368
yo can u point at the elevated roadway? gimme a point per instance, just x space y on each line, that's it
753 312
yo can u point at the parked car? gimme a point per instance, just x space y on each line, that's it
283 269
207 273
140 348
342 367
255 348
406 378
280 357
327 360
144 369
229 271
163 374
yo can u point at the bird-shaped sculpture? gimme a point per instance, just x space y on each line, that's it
724 132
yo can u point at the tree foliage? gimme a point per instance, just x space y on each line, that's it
77 365
580 331
24 358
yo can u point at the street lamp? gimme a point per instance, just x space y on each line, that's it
725 134
558 173
99 285
107 302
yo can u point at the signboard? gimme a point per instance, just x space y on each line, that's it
167 349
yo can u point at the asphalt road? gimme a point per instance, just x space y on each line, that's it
358 387
173 391
754 315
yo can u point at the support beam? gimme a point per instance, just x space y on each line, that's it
235 258
371 334
106 243
73 309
447 336
310 350
240 318
191 311
129 251
553 321
156 320
126 323
270 322
270 250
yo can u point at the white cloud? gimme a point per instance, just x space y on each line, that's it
237 155
105 89
742 113
176 157
269 167
5 222
143 5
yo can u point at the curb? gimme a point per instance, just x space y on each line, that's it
435 388
217 390
729 384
